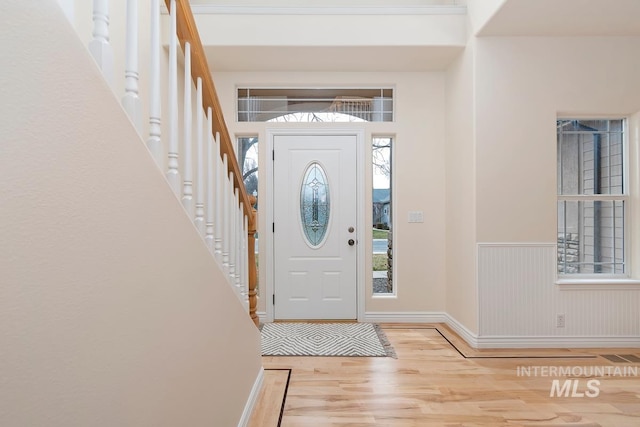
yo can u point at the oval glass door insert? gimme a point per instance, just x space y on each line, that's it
315 204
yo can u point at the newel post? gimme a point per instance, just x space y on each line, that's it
253 272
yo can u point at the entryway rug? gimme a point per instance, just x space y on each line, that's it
325 339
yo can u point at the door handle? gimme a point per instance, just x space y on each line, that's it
351 242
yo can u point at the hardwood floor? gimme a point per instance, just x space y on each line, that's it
439 381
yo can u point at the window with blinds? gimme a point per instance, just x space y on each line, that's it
592 197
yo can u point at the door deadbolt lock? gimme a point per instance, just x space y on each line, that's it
351 242
351 229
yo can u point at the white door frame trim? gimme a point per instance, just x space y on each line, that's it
267 206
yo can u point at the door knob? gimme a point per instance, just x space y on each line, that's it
351 242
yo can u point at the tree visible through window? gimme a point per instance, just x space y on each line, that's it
248 161
382 216
592 197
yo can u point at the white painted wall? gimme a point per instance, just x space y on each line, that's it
481 11
462 298
112 311
68 7
331 30
419 133
634 178
522 85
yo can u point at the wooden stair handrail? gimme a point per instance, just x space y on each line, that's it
188 32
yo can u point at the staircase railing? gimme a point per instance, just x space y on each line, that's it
200 163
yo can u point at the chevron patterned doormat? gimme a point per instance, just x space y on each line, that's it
325 339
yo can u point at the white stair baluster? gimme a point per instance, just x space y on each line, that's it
240 262
187 188
239 258
131 100
231 211
154 143
99 45
173 174
234 239
218 221
245 254
199 220
226 200
210 184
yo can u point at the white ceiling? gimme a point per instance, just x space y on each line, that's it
565 18
515 18
299 40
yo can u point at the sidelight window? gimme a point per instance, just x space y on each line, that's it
382 199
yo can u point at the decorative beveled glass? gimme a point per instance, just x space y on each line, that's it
315 204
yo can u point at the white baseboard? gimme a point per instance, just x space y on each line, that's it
262 316
253 398
559 342
464 333
485 342
404 317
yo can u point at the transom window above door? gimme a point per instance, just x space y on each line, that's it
315 105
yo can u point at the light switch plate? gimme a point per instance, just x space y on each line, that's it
416 216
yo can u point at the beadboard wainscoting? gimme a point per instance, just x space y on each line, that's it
520 303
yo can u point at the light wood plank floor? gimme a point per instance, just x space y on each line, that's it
439 381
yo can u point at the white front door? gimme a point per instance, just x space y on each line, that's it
315 212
